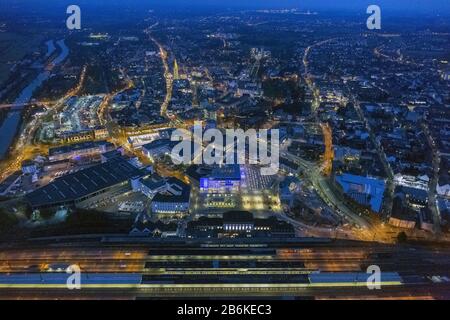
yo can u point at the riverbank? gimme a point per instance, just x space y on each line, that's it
10 126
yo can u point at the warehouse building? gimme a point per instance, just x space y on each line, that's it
86 187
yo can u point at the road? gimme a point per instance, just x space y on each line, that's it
307 75
436 162
328 153
318 232
315 175
327 162
25 147
321 186
389 195
167 74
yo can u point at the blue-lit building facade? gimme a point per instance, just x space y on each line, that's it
223 180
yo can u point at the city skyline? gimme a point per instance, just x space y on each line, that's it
279 150
440 7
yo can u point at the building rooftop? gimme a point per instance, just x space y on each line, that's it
290 164
83 183
197 172
184 189
77 146
111 154
153 182
364 185
158 144
238 217
419 194
227 172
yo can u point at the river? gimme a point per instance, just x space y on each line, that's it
10 125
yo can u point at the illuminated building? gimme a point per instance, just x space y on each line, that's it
79 150
238 222
446 75
157 148
101 133
174 201
143 227
224 179
29 167
366 191
176 72
150 186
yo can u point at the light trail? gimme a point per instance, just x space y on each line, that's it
327 165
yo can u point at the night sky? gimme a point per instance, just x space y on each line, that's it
420 5
410 8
